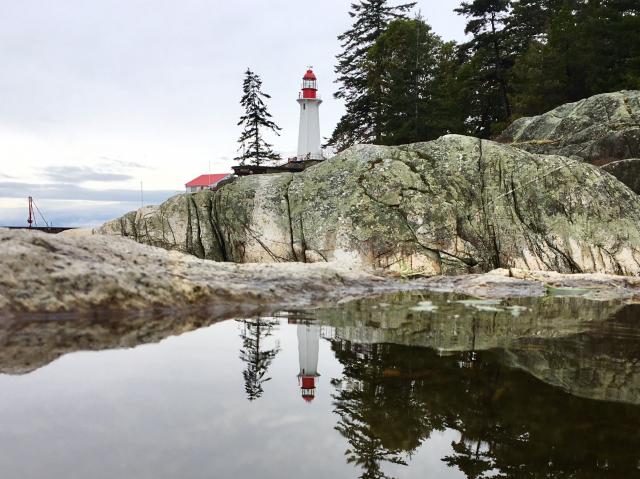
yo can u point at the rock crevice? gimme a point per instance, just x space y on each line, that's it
450 206
601 130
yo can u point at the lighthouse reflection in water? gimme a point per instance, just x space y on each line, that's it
527 388
308 345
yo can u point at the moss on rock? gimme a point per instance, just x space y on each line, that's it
453 205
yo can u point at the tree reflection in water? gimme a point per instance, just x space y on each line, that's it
257 352
392 397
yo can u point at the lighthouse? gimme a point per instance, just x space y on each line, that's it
308 345
309 131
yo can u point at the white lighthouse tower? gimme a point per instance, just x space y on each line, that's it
309 132
308 345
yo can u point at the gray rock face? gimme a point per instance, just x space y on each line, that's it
454 205
41 273
627 171
601 129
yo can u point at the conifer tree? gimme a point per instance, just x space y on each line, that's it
586 49
415 76
254 149
360 88
489 58
257 353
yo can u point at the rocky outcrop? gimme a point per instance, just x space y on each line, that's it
627 171
454 205
600 130
42 273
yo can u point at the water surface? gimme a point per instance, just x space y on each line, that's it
400 386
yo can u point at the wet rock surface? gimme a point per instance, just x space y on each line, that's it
451 206
42 273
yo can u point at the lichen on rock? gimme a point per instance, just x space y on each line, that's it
454 205
602 130
627 171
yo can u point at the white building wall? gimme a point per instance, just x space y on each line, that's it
309 129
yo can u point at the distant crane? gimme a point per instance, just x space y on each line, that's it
32 221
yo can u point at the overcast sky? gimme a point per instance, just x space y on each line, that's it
98 96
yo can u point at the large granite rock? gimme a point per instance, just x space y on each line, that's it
42 273
627 171
453 205
601 129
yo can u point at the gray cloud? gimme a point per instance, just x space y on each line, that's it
69 191
117 66
120 163
80 174
64 214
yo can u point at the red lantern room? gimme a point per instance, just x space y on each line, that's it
309 84
308 387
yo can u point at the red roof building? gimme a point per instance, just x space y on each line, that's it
205 181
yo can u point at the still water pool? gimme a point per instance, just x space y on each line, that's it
399 386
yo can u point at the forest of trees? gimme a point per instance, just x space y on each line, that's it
392 398
402 83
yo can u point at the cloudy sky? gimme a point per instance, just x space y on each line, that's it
99 96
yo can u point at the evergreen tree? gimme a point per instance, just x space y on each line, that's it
447 108
360 88
490 56
529 21
256 118
588 48
416 75
257 354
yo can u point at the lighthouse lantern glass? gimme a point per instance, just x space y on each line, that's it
309 84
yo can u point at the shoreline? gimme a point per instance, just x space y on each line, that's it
50 275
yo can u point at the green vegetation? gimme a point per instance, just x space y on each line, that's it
360 86
256 118
402 83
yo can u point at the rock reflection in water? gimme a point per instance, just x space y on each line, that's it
410 371
554 339
517 389
392 398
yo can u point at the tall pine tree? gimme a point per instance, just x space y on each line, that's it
360 86
588 48
254 149
415 78
489 58
257 353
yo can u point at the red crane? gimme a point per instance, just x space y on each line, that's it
33 209
31 215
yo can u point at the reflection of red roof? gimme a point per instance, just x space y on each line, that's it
206 180
309 75
307 397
